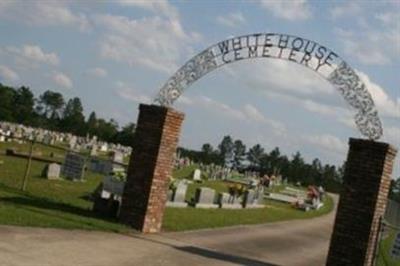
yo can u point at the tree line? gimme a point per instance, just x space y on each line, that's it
235 154
52 111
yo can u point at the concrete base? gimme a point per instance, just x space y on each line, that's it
254 206
232 206
176 204
206 206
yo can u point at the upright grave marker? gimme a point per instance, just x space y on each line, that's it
74 166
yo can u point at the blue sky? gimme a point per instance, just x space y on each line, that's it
116 54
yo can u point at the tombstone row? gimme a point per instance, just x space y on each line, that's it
207 198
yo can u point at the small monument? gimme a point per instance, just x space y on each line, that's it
197 175
204 198
52 171
178 196
73 167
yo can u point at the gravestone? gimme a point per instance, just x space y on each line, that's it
112 186
197 175
204 198
74 166
228 201
93 150
178 197
53 171
117 157
72 142
253 199
2 138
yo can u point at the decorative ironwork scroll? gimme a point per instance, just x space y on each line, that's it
282 46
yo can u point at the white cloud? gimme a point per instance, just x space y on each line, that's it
159 7
31 55
373 43
248 112
328 143
272 74
207 103
290 10
253 114
350 8
154 42
97 72
7 74
392 135
42 13
62 80
232 19
367 50
308 90
385 105
131 94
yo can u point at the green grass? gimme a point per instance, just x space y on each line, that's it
185 173
191 218
66 204
384 249
55 203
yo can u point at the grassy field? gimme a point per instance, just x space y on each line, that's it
66 204
191 218
384 249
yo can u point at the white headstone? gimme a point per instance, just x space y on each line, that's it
53 171
204 198
117 157
180 192
197 175
2 138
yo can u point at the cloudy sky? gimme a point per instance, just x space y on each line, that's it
116 54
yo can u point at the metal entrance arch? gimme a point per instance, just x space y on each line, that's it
280 46
369 163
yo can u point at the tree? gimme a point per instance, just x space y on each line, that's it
73 119
255 154
52 104
226 149
207 148
297 167
23 106
7 95
126 135
107 130
92 124
239 151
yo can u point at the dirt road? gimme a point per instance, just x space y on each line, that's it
293 243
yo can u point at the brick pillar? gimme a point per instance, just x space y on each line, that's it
150 167
362 201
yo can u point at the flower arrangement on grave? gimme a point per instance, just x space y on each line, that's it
119 176
173 183
236 190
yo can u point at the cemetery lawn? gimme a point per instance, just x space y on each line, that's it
384 257
55 203
177 219
66 204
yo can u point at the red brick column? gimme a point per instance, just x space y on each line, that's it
150 167
363 200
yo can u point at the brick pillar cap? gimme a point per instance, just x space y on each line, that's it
364 143
159 108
